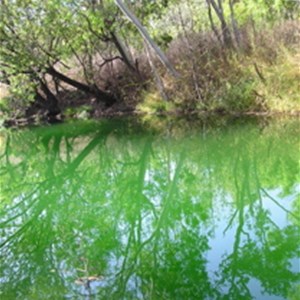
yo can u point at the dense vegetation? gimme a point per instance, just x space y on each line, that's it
58 55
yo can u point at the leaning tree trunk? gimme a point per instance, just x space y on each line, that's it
144 33
94 90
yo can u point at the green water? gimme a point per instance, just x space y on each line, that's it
120 210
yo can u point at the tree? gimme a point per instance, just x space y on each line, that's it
146 36
38 36
225 30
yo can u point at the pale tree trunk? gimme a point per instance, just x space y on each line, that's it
147 37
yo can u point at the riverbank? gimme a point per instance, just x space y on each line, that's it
151 117
260 77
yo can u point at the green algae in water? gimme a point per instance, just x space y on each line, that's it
115 210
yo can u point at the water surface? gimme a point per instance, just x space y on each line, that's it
120 210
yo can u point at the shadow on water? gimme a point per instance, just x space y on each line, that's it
117 211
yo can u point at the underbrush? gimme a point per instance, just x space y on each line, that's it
262 75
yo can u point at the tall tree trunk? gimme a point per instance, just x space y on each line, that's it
218 8
234 24
212 24
122 51
125 56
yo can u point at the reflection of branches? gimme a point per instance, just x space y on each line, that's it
278 204
231 221
167 202
139 198
239 231
130 225
236 270
5 152
141 177
2 224
8 209
21 230
236 278
48 184
235 178
85 152
261 210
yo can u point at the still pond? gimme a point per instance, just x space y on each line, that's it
126 210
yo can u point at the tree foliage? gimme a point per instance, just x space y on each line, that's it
39 36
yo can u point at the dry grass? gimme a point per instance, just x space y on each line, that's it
263 75
3 91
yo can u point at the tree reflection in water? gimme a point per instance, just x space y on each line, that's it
115 213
